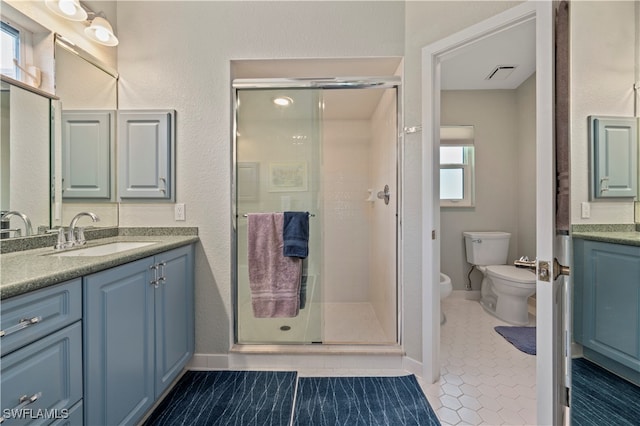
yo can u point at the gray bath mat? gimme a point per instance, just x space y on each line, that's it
523 338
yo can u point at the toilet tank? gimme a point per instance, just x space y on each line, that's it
487 248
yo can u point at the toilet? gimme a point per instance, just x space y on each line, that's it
505 288
445 290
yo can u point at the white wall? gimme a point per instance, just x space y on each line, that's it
504 124
493 114
382 226
346 146
526 190
425 22
29 145
180 58
603 65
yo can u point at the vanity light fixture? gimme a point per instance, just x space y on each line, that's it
68 9
283 101
100 31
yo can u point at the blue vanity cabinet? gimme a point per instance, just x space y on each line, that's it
607 305
174 318
146 147
138 334
87 151
41 365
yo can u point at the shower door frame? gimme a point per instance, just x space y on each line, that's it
385 82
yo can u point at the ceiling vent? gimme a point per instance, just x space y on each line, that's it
501 72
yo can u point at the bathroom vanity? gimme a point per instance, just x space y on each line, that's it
606 289
95 339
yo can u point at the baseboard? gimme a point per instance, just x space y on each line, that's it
466 294
412 366
209 362
301 361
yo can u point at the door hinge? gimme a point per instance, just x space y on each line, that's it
433 234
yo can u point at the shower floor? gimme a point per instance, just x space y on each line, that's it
353 323
317 322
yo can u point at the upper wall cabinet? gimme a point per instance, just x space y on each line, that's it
87 148
146 147
614 157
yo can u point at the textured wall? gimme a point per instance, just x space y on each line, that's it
426 22
180 58
603 65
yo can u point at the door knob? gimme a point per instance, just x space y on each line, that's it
385 195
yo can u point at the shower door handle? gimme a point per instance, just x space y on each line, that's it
385 195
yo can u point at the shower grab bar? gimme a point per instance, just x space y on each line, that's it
310 214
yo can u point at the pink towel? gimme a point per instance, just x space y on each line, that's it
273 278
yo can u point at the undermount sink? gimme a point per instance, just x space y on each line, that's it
105 249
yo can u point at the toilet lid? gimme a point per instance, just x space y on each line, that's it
511 273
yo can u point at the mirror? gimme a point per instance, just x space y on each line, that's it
88 88
24 159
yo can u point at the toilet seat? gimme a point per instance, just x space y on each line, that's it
512 274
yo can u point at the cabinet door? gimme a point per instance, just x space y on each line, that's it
29 317
45 375
118 344
610 313
614 143
145 159
86 154
174 315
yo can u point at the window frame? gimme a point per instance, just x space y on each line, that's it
17 33
468 178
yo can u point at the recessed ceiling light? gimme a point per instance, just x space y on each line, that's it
283 101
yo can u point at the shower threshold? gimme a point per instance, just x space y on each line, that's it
319 349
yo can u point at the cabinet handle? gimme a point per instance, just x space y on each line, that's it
154 282
23 401
604 184
161 265
24 323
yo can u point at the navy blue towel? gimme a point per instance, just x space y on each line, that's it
295 233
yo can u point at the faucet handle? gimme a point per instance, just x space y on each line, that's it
80 237
62 240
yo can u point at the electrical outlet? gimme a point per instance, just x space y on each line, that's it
179 212
585 208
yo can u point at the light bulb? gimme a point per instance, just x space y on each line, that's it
102 34
67 7
283 101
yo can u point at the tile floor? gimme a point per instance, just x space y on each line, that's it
484 379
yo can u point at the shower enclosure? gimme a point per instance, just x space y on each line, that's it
329 148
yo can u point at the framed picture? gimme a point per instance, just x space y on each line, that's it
286 177
248 181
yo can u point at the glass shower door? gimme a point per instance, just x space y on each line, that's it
278 163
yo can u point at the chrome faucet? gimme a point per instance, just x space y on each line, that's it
27 223
71 238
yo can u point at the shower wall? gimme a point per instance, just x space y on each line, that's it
360 235
346 167
383 225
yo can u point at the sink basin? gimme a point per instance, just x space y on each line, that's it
105 249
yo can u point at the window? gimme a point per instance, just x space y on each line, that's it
456 166
10 49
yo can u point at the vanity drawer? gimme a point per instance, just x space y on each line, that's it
43 381
26 318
